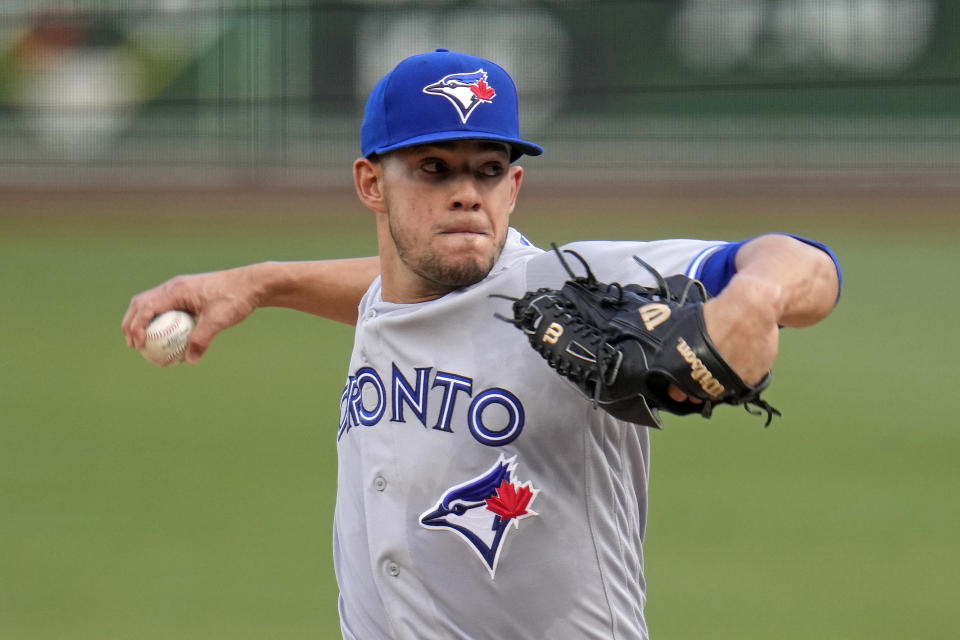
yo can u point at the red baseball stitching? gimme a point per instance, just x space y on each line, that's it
165 332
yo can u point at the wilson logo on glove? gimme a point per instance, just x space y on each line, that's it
654 315
553 333
699 371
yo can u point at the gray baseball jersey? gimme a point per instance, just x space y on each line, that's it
480 494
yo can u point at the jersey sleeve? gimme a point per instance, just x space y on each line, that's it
713 262
718 266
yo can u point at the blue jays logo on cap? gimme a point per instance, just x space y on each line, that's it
481 510
465 91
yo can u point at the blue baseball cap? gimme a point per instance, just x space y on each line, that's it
441 96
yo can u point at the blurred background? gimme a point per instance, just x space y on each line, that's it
142 90
141 139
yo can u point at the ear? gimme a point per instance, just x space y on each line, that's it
516 179
368 181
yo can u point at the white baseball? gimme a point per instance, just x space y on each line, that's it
167 335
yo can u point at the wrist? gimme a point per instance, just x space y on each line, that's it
263 281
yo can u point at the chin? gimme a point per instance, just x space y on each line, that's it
466 273
462 271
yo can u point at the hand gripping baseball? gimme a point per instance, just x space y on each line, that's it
626 346
219 299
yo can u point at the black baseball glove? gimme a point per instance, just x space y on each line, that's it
624 345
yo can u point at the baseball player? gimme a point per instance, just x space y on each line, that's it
479 494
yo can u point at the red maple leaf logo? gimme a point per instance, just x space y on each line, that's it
509 502
483 91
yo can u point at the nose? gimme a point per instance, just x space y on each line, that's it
465 195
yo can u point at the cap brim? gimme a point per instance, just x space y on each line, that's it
518 146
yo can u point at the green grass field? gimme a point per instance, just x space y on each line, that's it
196 502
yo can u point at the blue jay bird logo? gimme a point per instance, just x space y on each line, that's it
465 91
481 510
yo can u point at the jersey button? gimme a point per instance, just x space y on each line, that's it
379 483
393 569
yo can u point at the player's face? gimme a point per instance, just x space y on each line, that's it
447 206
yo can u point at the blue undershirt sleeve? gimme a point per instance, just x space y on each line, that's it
720 266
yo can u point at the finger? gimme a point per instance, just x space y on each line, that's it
128 320
137 329
200 339
676 394
135 321
134 311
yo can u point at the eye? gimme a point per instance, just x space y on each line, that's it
491 170
433 166
459 509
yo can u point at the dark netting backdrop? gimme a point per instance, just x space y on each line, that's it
261 86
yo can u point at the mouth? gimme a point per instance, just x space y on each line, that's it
469 231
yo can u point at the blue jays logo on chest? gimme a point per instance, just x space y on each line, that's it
465 91
482 509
